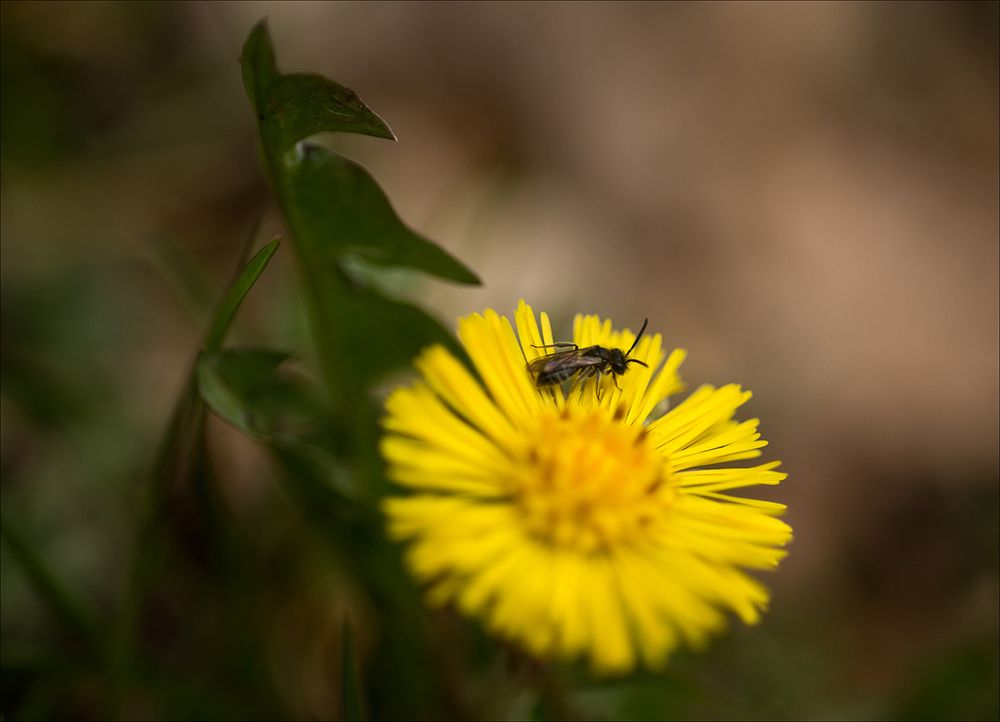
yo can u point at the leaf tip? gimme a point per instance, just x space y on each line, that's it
469 277
271 246
376 127
258 63
388 133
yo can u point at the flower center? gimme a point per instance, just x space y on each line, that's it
590 481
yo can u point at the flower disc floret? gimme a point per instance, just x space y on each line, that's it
590 482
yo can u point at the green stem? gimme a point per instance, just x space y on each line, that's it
320 298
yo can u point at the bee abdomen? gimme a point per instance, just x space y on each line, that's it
557 376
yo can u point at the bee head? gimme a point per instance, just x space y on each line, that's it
617 361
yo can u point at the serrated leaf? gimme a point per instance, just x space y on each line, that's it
295 106
336 212
338 209
301 105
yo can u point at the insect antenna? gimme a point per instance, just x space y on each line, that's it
641 331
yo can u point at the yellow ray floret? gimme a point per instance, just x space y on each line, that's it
579 521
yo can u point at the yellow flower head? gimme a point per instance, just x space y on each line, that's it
578 522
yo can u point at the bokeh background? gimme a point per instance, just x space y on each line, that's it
805 196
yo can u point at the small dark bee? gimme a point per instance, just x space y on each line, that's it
582 363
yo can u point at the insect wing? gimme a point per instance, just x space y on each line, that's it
559 366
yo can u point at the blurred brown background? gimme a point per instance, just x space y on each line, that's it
805 196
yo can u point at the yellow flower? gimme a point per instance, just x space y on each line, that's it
575 525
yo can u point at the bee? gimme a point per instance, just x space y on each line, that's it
582 363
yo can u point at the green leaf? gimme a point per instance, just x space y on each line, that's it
338 209
293 107
380 335
230 303
258 65
361 335
246 389
301 105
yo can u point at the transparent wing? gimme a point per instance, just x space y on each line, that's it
565 362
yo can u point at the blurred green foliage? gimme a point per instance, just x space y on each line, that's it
191 588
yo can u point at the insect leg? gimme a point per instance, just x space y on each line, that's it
579 381
556 345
